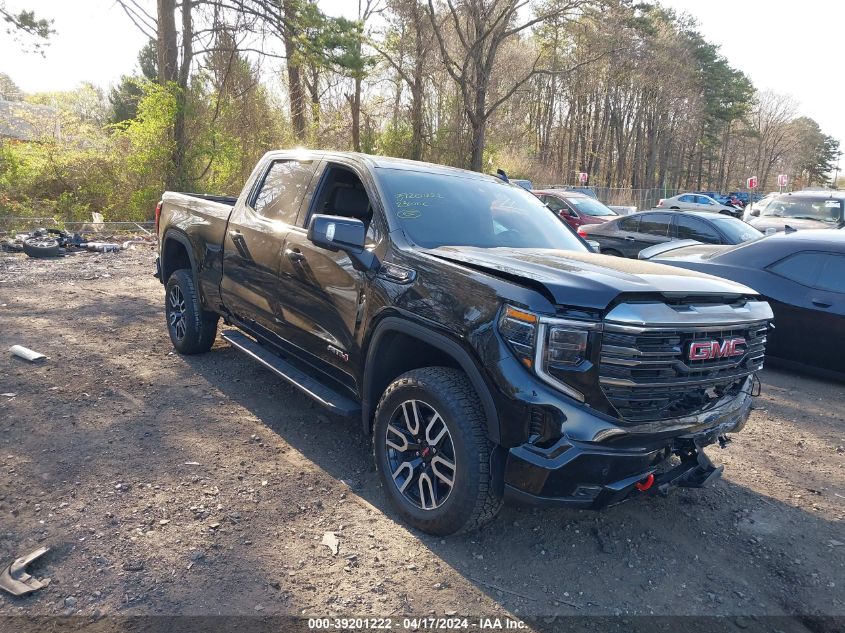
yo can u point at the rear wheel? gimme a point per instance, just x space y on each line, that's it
610 251
431 449
191 330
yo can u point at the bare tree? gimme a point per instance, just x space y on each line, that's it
482 27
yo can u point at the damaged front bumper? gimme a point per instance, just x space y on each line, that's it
598 474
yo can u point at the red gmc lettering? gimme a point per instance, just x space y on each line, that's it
706 350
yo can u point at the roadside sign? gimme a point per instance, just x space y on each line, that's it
752 182
782 180
583 177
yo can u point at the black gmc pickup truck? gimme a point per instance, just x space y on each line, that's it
481 344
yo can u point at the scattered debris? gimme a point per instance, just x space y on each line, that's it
16 581
192 463
26 353
834 543
42 243
8 395
331 541
133 565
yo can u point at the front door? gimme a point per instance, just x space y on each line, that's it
324 296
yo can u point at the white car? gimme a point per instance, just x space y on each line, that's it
697 202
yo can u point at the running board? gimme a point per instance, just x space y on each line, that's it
310 386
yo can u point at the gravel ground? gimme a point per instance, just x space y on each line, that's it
171 485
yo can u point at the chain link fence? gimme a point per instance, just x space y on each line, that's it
10 224
629 197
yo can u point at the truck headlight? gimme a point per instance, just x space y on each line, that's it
565 346
547 345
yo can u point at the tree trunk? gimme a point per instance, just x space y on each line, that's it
179 139
294 70
355 102
167 49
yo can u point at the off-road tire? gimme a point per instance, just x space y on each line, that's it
198 329
42 247
472 501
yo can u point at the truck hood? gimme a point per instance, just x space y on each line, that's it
587 280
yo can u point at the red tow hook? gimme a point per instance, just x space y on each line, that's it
645 484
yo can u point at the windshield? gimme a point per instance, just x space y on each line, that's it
445 210
737 230
822 208
589 206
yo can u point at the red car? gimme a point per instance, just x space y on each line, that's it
575 208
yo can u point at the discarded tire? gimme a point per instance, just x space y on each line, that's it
42 247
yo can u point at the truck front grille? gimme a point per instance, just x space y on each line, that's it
647 375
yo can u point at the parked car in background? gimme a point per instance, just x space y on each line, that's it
697 202
745 197
758 206
576 209
801 210
630 234
801 274
718 197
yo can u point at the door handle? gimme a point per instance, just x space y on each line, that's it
294 255
821 304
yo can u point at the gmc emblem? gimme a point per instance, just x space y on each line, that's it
709 350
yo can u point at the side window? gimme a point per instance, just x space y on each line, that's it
342 193
282 190
554 203
832 273
802 268
631 223
655 224
690 228
686 199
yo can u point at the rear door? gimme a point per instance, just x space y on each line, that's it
828 300
791 296
687 201
254 241
616 236
654 229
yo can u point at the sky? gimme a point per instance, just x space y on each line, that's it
788 47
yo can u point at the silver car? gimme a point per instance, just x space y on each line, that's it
697 202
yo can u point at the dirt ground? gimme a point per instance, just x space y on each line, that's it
170 485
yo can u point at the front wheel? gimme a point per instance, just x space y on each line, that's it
432 453
191 330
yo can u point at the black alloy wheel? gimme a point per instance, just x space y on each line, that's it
176 312
421 454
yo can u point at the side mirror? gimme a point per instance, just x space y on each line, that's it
594 246
337 233
755 213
